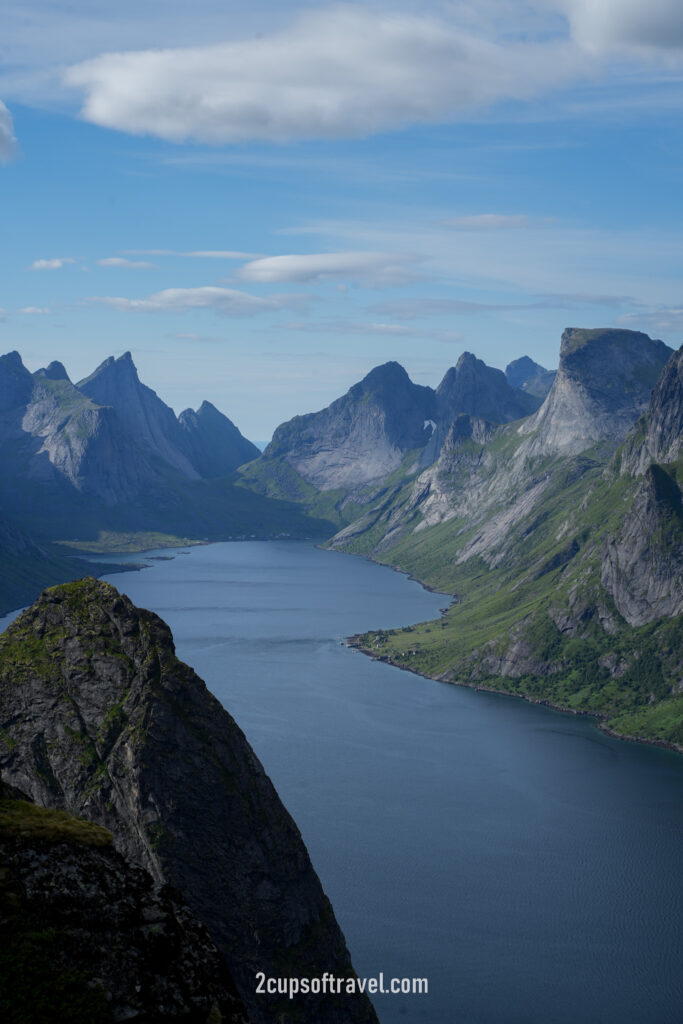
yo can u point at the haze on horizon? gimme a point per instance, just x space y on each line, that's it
264 201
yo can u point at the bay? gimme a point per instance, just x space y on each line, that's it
526 865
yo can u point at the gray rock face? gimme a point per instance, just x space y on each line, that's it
81 928
642 566
363 437
150 421
360 438
215 445
100 718
602 385
662 425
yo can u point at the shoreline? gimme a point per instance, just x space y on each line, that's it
352 642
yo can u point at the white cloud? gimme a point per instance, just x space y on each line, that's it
119 261
668 319
489 222
35 310
370 268
599 25
222 300
8 143
340 72
53 264
206 254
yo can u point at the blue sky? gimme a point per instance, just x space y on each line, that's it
264 201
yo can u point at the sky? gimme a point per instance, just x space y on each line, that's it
262 201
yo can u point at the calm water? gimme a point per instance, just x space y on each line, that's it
528 866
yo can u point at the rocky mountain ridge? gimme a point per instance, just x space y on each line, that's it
566 558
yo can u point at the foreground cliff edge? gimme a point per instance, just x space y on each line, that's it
99 718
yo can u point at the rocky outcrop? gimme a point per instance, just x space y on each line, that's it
98 716
88 938
602 386
215 445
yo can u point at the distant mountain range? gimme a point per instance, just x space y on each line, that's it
548 503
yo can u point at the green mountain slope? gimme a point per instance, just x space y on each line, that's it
567 570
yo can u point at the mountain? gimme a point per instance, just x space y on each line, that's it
99 718
561 540
603 384
360 438
215 445
383 430
106 464
150 421
531 377
87 937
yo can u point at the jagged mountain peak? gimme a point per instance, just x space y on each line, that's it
521 370
53 371
602 385
390 374
214 443
16 382
147 418
121 368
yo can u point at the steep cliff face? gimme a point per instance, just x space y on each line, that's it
360 438
150 421
642 567
90 939
99 717
215 445
603 384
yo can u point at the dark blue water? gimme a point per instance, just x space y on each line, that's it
529 867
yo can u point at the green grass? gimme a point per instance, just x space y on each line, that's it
22 820
111 542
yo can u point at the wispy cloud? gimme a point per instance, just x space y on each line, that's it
121 262
599 25
370 268
411 309
52 264
371 328
667 319
489 222
35 310
222 300
8 142
341 72
204 254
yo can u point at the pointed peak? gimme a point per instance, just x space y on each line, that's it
12 360
468 359
390 373
53 371
123 367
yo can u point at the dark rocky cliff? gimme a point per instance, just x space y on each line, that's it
98 716
89 939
